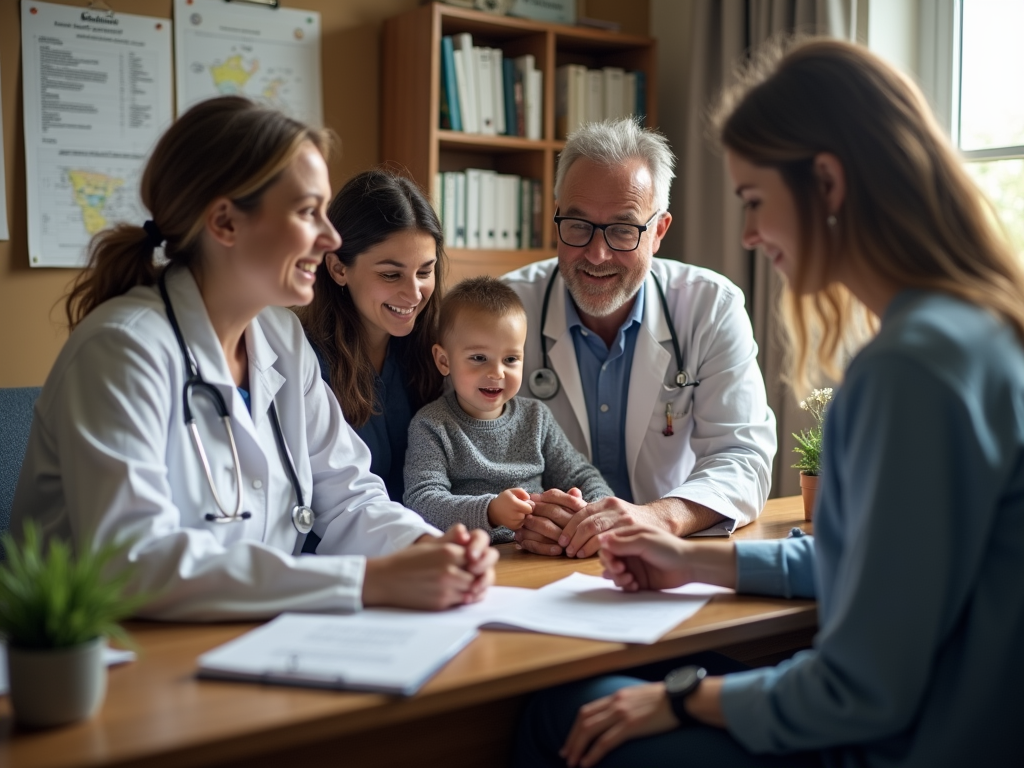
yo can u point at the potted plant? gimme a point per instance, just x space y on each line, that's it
56 612
808 446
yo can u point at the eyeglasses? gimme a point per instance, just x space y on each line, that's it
619 237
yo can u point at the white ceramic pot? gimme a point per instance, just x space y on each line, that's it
57 686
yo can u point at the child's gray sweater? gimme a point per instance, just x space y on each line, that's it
456 464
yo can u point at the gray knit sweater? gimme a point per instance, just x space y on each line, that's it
456 464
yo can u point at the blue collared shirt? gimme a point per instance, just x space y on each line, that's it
604 373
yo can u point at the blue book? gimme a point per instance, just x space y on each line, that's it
641 96
449 90
509 75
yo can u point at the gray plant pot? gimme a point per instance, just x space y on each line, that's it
57 686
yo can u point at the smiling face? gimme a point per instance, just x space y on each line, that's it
770 220
484 357
281 243
601 281
390 283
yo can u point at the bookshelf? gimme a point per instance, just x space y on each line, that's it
411 137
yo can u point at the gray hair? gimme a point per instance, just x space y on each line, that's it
612 142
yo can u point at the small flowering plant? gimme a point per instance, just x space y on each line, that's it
808 441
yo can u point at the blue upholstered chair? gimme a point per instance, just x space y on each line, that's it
15 423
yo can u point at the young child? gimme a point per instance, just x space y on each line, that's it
476 453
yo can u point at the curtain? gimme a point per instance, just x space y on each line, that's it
705 207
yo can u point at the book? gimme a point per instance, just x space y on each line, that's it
525 238
612 92
449 87
488 209
534 103
465 73
484 90
508 71
450 219
473 207
570 98
507 207
595 96
460 210
629 94
385 651
498 73
537 230
641 96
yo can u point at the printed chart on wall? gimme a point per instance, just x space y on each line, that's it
97 90
270 55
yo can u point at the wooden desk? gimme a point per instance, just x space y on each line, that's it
158 714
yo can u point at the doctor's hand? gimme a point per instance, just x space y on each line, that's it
434 573
678 517
640 557
552 510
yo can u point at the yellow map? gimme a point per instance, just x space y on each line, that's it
92 191
231 76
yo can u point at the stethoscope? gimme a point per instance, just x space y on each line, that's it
543 382
302 516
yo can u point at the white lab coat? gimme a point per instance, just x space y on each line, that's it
109 455
721 453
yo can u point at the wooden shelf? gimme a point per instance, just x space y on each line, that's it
410 104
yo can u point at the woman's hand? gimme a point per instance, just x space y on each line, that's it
552 510
434 573
604 724
640 557
509 508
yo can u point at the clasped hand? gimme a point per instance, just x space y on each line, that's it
563 521
434 573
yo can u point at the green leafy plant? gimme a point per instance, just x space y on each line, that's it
808 441
58 600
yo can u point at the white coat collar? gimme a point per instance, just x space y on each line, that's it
650 363
194 321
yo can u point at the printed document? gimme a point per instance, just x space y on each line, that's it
368 651
97 88
269 55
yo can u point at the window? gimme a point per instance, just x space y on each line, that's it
988 109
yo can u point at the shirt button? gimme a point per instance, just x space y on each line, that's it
604 367
257 484
583 332
604 407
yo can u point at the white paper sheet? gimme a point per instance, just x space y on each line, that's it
97 88
577 606
111 657
373 650
270 55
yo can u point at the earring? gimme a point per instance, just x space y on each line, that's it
831 220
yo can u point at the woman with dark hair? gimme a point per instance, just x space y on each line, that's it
373 319
891 258
185 415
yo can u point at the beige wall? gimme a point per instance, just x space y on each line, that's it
31 313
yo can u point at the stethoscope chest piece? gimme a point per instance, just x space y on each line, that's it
303 518
543 383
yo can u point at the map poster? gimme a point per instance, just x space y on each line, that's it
270 55
97 90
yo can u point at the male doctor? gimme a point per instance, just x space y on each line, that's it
681 430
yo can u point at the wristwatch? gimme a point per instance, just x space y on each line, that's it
680 683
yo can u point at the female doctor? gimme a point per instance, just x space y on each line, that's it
217 509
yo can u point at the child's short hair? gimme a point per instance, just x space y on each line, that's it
483 294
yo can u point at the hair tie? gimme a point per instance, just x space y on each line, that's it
155 236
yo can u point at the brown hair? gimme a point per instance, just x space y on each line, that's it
486 295
368 210
223 147
911 214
